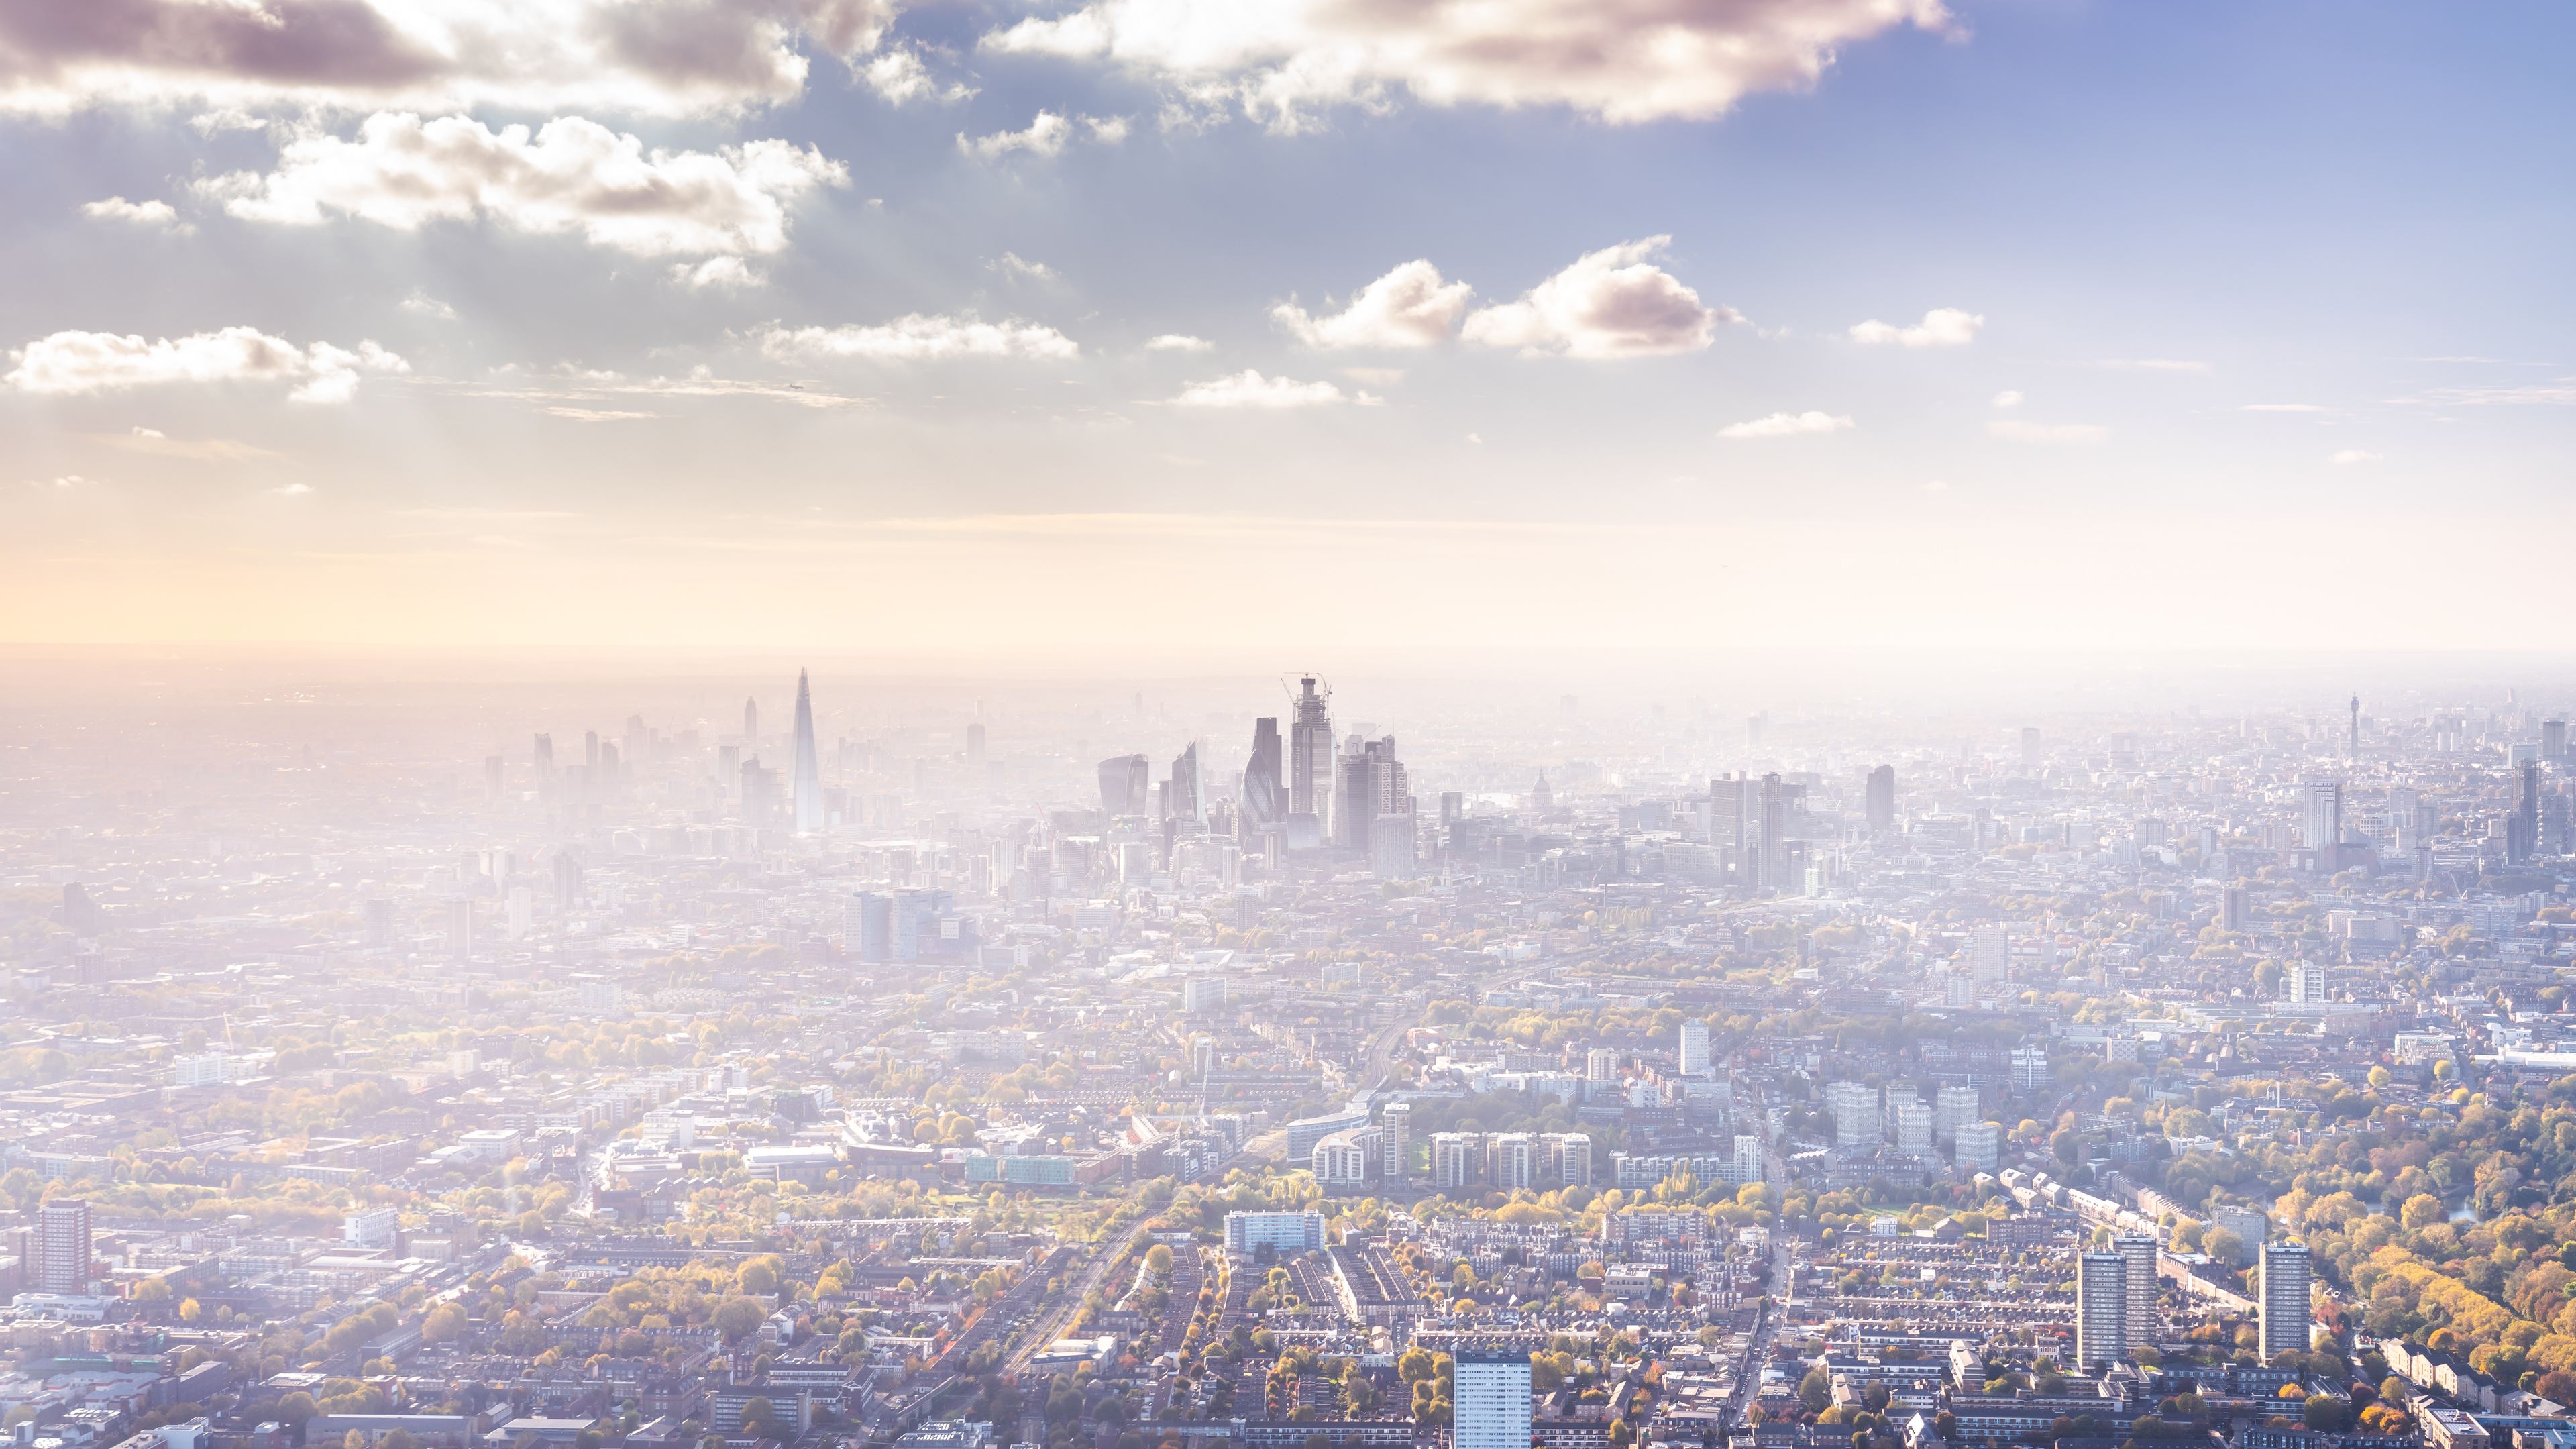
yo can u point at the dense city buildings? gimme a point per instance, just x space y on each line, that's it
974 1079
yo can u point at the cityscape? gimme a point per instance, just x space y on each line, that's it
1287 724
1123 1068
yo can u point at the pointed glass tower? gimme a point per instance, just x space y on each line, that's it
809 770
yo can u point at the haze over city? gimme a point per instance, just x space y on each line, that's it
1285 724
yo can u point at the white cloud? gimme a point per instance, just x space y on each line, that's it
598 415
1618 60
68 480
2014 431
1020 269
421 304
573 176
1788 425
2155 364
2356 455
900 77
2009 398
1045 138
292 490
204 450
1249 389
587 386
717 274
1107 130
1609 303
2284 408
921 337
75 363
656 57
1940 327
1408 307
1178 342
136 213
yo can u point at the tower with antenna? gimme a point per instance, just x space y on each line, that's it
2355 747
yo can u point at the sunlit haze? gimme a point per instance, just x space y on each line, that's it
1287 724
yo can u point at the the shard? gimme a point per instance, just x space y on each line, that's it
809 769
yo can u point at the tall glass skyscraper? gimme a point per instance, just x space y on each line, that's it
1262 804
808 784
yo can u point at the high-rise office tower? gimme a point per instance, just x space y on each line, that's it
759 795
2139 1286
1311 781
1183 804
1263 803
543 753
1882 798
807 787
1126 785
1373 784
1392 855
2101 1310
2553 740
1731 808
2321 821
1694 1046
1953 1107
61 1249
1491 1404
2235 908
1777 796
2286 1276
2522 828
750 725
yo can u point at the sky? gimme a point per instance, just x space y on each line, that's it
1014 329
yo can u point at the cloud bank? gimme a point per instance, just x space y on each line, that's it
71 364
652 57
1609 303
1622 61
573 176
919 337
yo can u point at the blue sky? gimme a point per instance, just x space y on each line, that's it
2269 301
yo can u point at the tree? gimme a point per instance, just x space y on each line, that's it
2223 1244
1816 1390
737 1317
2326 1411
443 1324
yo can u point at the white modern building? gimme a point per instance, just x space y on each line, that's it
1281 1232
1491 1407
2101 1310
